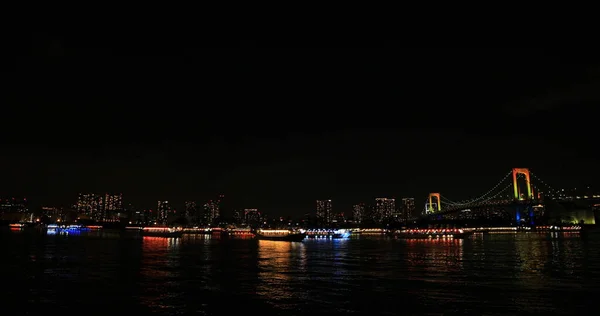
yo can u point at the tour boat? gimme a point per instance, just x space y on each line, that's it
239 232
161 231
427 233
328 233
280 234
75 228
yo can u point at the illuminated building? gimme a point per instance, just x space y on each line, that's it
13 205
191 209
408 208
136 216
113 206
324 212
384 208
100 208
91 206
358 212
211 212
55 213
163 210
113 202
252 217
339 218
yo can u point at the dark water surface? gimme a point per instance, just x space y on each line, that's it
104 273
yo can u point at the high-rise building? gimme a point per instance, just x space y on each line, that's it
384 208
252 217
113 202
113 207
408 208
211 212
163 211
13 205
324 212
136 216
358 212
91 205
191 209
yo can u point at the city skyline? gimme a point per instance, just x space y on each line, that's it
110 206
278 129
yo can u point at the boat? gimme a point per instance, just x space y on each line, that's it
239 232
75 228
280 234
431 233
328 233
157 231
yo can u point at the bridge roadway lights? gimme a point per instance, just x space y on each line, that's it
521 207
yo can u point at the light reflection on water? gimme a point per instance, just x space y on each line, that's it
159 271
491 274
280 264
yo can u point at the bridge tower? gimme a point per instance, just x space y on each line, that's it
524 172
439 202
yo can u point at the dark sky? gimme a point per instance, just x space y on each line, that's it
277 126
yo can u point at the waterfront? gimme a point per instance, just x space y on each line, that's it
103 272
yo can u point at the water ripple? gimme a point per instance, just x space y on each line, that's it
503 274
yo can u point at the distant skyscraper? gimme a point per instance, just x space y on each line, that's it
324 212
163 210
252 217
408 208
113 206
358 212
13 205
212 212
91 205
113 202
191 210
384 208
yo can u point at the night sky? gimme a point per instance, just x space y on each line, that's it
277 127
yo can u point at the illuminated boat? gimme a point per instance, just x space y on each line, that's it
158 231
431 233
54 229
240 232
75 228
280 234
328 233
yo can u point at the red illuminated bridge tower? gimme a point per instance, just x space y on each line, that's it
525 172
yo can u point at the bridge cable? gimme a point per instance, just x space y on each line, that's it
467 202
552 190
484 201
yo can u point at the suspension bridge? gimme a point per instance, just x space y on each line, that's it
518 196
